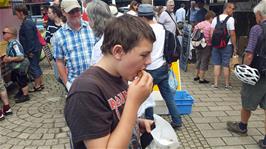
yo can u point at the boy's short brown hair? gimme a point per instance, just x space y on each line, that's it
126 31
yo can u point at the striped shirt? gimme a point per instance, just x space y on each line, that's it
206 27
50 30
75 47
254 34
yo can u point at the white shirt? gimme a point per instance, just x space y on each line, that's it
180 15
133 13
97 52
166 20
157 59
230 24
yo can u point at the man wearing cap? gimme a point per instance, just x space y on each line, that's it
158 67
73 43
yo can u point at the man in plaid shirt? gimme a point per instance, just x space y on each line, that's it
73 43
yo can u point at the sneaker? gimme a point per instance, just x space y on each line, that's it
2 117
7 110
176 126
196 78
228 87
22 98
261 144
234 127
204 81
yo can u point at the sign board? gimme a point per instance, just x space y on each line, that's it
4 3
3 45
185 52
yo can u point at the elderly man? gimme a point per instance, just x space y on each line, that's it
167 18
73 43
253 95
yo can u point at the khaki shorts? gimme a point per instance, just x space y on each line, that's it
203 58
2 85
252 96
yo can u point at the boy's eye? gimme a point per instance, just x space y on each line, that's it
144 55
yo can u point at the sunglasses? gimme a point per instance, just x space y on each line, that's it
7 32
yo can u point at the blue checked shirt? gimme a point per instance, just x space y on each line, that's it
75 47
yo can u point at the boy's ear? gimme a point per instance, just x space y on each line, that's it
118 52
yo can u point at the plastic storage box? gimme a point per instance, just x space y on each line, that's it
184 102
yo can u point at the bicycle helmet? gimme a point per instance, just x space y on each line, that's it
247 74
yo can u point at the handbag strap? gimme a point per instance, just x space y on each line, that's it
171 17
177 29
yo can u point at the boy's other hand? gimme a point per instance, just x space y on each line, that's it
140 88
146 125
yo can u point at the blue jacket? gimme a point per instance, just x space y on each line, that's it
28 36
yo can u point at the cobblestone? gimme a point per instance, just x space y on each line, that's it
39 123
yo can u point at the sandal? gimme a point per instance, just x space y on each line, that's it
40 88
214 86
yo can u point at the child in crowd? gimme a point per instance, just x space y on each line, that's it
18 64
101 109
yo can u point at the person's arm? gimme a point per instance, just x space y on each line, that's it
138 91
214 20
19 56
252 42
248 58
59 56
8 59
61 70
184 16
233 40
162 18
230 24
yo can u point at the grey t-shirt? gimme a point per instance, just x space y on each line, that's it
168 23
94 106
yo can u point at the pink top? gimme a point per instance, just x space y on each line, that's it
206 26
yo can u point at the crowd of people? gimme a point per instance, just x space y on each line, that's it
108 62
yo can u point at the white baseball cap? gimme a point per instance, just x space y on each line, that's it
68 5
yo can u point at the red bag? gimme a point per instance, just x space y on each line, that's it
41 39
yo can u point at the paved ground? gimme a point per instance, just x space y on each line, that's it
39 123
212 108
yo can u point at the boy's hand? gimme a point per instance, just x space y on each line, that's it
140 88
146 125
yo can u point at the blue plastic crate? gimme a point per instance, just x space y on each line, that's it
184 102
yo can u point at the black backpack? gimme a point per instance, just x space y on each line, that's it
259 59
198 40
220 36
172 47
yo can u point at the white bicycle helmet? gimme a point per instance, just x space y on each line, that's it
247 74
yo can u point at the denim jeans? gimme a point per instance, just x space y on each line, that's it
160 78
34 68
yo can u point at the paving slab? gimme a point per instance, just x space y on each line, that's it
39 123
